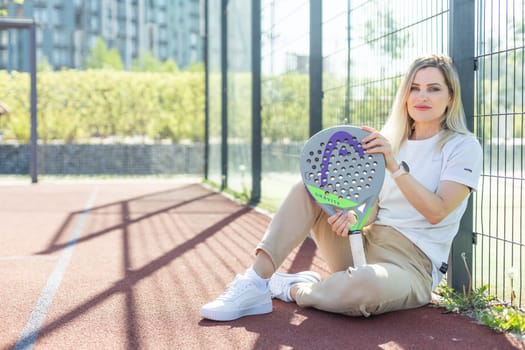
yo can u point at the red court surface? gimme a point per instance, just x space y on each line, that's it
127 265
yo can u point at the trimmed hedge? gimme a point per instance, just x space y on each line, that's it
74 106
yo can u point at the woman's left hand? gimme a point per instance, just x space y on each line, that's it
377 143
341 222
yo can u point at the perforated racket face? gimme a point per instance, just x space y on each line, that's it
337 171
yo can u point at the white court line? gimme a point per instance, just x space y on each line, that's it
30 332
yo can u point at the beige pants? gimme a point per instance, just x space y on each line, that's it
397 274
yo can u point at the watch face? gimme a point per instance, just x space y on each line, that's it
405 166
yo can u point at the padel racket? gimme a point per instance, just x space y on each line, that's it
339 174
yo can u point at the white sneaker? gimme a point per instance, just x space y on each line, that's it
242 298
281 283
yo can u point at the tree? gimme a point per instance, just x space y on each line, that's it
101 57
44 66
384 24
148 63
3 9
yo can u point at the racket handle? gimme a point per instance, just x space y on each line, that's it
358 252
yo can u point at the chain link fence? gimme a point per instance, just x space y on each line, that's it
365 48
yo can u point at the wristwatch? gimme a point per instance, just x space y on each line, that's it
403 170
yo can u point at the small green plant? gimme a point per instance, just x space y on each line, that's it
486 309
467 303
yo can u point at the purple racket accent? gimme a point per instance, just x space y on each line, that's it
342 137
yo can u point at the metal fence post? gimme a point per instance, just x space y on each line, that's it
34 119
206 90
224 94
461 49
26 23
316 66
256 102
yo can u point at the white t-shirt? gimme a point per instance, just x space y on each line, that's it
460 161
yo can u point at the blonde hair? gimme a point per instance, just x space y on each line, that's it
399 124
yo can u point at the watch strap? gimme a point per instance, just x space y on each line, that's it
401 171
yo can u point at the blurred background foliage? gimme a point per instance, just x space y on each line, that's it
79 106
99 104
153 102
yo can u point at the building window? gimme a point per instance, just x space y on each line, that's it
94 23
41 15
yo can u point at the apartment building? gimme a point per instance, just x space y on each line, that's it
67 30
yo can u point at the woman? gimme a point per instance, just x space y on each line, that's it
433 163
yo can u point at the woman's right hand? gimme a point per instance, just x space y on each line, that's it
377 143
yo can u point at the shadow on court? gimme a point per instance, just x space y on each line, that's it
148 256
